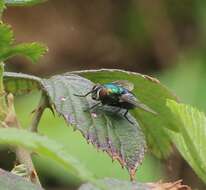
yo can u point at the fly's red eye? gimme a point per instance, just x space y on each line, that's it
96 87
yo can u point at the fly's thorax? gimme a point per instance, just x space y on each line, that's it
113 89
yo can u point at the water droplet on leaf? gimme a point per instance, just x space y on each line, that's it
63 98
94 115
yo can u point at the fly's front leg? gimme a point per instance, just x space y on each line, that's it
84 95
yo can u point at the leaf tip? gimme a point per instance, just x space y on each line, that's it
132 173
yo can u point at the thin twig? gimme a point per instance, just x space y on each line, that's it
38 113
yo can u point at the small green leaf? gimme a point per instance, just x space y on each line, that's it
153 94
23 2
9 181
20 170
18 83
32 51
191 139
6 37
45 147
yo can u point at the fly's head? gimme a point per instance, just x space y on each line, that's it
96 91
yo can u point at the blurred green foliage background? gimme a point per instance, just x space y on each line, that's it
165 39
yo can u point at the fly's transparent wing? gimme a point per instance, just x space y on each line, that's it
130 98
125 84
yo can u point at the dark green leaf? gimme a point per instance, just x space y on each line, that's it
45 147
191 140
9 181
152 93
106 129
23 2
32 51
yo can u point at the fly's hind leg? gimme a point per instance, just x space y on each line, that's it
125 116
118 110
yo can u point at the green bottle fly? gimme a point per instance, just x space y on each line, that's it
118 94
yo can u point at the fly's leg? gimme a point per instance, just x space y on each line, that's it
92 107
125 116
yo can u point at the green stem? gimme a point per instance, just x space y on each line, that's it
3 106
1 76
2 4
38 113
23 156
